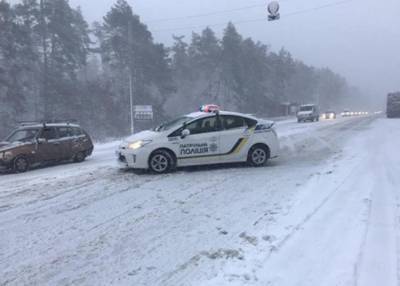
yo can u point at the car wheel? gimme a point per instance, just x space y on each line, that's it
21 165
258 156
161 162
79 157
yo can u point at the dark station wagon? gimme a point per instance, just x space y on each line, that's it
35 144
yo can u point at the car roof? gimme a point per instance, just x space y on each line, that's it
48 125
199 114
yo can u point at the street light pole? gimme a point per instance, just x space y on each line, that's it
131 71
131 101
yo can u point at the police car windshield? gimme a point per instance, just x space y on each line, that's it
24 135
176 122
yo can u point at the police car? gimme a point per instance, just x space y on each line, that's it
209 136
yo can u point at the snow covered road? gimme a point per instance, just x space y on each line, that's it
325 213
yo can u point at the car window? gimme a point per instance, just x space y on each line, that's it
233 122
65 132
176 122
49 133
77 131
205 125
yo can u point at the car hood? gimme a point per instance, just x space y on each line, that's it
266 122
6 146
144 135
2 144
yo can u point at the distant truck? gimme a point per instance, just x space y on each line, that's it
393 105
308 112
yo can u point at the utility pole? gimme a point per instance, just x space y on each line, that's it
131 79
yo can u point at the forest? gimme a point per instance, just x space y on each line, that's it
54 65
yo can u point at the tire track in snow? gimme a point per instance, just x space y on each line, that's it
360 256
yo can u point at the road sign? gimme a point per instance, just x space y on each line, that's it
273 9
143 112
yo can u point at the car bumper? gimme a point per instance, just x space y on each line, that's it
272 141
305 117
89 152
274 149
129 159
4 165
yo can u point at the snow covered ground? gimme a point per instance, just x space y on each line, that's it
325 213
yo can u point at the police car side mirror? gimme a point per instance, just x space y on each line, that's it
185 133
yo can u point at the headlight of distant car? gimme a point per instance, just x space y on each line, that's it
138 144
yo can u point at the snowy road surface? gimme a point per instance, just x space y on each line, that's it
325 213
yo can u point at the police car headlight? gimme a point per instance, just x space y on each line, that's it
138 144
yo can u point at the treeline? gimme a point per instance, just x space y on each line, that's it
53 65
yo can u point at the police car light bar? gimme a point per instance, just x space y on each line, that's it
210 108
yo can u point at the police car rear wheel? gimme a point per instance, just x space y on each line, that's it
161 162
258 156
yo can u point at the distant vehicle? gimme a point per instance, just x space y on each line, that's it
393 105
34 144
308 112
328 115
207 137
347 113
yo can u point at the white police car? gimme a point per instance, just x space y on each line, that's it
207 137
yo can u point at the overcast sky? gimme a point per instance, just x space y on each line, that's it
359 39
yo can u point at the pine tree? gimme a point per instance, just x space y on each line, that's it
16 65
127 50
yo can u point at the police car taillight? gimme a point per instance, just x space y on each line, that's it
210 108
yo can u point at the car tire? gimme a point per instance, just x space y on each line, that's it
161 162
79 157
21 165
258 156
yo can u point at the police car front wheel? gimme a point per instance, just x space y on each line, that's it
161 162
258 156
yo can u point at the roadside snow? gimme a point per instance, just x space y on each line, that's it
343 228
